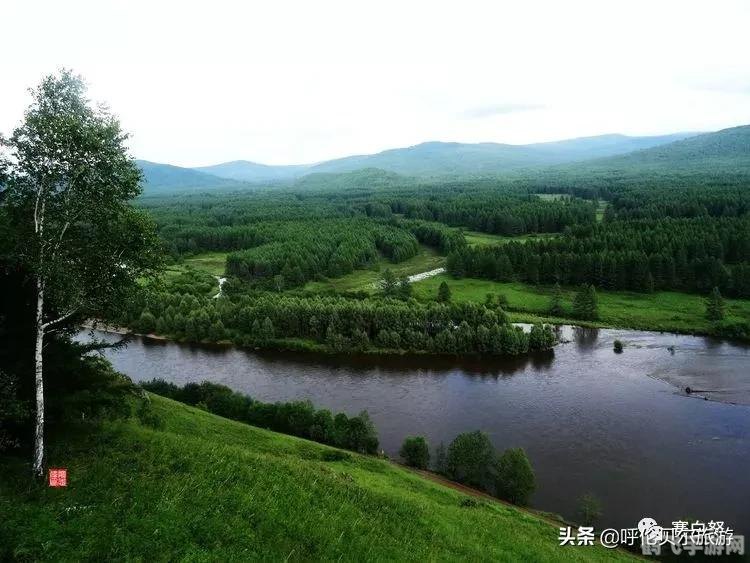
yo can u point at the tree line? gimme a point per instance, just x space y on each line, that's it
335 323
670 254
296 418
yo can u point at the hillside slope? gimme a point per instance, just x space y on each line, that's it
722 150
159 178
208 488
247 171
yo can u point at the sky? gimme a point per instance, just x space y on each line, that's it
282 82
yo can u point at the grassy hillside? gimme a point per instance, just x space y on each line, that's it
204 488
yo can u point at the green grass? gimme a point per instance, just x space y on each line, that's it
474 238
364 280
662 311
210 262
206 488
213 263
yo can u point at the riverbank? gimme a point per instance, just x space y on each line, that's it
663 311
590 420
202 487
728 386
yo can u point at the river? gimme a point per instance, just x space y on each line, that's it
619 426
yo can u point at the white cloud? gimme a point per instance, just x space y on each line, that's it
284 82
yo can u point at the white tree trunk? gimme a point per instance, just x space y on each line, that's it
38 364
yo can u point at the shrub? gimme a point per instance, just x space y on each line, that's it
415 452
617 346
470 459
514 477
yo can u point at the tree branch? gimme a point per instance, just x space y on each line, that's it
59 319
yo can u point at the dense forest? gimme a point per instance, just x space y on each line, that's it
694 254
630 229
336 323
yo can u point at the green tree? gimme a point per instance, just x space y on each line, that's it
470 459
444 293
68 192
415 452
715 306
514 477
404 288
388 282
556 302
267 330
586 303
147 322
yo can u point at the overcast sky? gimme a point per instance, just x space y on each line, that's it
291 82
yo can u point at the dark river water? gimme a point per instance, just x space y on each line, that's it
590 420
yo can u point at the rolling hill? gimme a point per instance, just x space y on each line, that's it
247 171
458 159
709 151
203 488
165 178
447 159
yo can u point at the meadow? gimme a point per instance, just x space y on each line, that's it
660 311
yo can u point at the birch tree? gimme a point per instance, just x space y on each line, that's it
68 188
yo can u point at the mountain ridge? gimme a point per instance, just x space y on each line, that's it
727 149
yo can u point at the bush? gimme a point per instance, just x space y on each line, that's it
470 459
415 452
514 477
617 346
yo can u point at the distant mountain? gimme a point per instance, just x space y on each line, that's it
165 177
584 148
456 159
247 171
709 151
449 159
